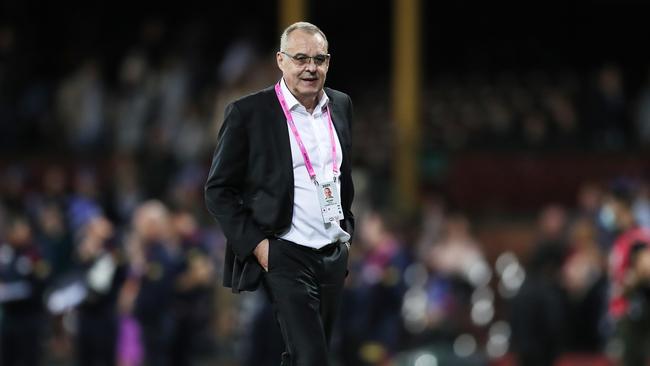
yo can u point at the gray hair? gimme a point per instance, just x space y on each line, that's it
303 26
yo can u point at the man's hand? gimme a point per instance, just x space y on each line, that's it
261 252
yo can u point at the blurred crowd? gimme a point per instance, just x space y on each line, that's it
92 276
78 282
539 110
107 255
164 92
573 289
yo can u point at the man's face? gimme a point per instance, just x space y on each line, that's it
304 81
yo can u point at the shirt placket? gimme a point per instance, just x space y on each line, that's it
323 147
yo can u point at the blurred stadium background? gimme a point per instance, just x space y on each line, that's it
501 163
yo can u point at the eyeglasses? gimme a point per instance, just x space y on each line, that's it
301 59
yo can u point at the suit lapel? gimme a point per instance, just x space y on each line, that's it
338 118
280 133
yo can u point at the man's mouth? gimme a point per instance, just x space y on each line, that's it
309 79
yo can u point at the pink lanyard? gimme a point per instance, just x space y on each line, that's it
296 134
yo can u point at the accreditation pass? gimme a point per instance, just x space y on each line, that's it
330 204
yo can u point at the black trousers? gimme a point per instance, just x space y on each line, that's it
305 285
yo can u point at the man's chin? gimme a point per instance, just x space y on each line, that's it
310 92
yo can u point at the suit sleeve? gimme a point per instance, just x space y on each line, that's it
349 217
226 182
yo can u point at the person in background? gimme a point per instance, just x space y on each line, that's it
538 312
457 252
54 240
605 111
584 279
634 326
147 293
23 276
628 271
552 224
102 267
623 223
453 262
193 289
371 333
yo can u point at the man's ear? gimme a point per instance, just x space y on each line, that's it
279 58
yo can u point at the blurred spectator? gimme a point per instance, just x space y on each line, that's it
23 276
47 209
634 325
53 239
102 267
500 121
190 140
629 233
565 119
80 106
537 312
134 103
185 190
584 279
173 92
156 163
456 267
124 191
594 206
193 291
590 197
12 187
85 201
372 334
552 224
605 113
238 59
147 294
628 271
264 338
433 216
51 192
457 254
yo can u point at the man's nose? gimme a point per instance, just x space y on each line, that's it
311 65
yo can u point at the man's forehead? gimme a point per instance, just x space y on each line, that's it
300 40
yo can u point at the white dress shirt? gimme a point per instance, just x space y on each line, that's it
307 226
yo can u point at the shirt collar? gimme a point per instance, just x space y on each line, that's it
292 102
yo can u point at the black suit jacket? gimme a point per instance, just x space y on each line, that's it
250 186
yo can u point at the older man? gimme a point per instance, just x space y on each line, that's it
277 151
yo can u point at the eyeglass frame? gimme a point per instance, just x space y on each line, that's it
309 58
